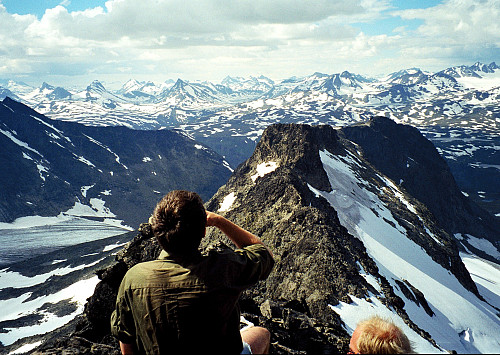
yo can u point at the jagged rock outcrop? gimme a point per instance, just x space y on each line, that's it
282 193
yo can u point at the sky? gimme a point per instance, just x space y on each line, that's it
73 42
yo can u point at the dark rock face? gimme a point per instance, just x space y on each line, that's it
318 262
405 156
49 165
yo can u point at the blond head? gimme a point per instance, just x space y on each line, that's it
377 335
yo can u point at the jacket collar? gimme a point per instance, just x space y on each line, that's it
167 255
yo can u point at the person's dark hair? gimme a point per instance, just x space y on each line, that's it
178 221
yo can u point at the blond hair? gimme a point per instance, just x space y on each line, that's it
381 336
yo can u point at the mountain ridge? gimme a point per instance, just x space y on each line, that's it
457 112
72 164
345 237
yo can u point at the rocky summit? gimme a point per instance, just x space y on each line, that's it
352 236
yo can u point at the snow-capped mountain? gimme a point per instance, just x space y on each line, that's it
478 70
135 90
343 83
7 93
48 92
143 92
97 93
253 86
15 86
461 71
185 94
485 68
406 76
415 88
456 108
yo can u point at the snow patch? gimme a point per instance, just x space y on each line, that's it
264 169
26 347
51 127
372 280
484 245
77 293
486 275
84 189
97 210
226 164
19 142
227 202
112 246
42 169
117 158
57 261
16 280
85 161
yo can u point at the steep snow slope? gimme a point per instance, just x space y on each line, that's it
400 259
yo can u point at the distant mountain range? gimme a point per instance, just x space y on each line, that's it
456 108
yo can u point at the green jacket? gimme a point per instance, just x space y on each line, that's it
184 305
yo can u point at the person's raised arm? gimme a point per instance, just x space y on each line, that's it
239 236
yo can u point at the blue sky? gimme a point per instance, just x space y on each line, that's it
38 7
72 42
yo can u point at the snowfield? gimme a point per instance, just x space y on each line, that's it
76 293
399 258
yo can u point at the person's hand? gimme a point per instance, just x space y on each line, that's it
212 219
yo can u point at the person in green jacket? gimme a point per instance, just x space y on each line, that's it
184 302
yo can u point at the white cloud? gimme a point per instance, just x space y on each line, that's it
208 39
458 23
179 23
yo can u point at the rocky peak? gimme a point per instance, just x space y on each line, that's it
96 86
179 84
46 86
478 66
493 66
319 262
296 147
60 93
